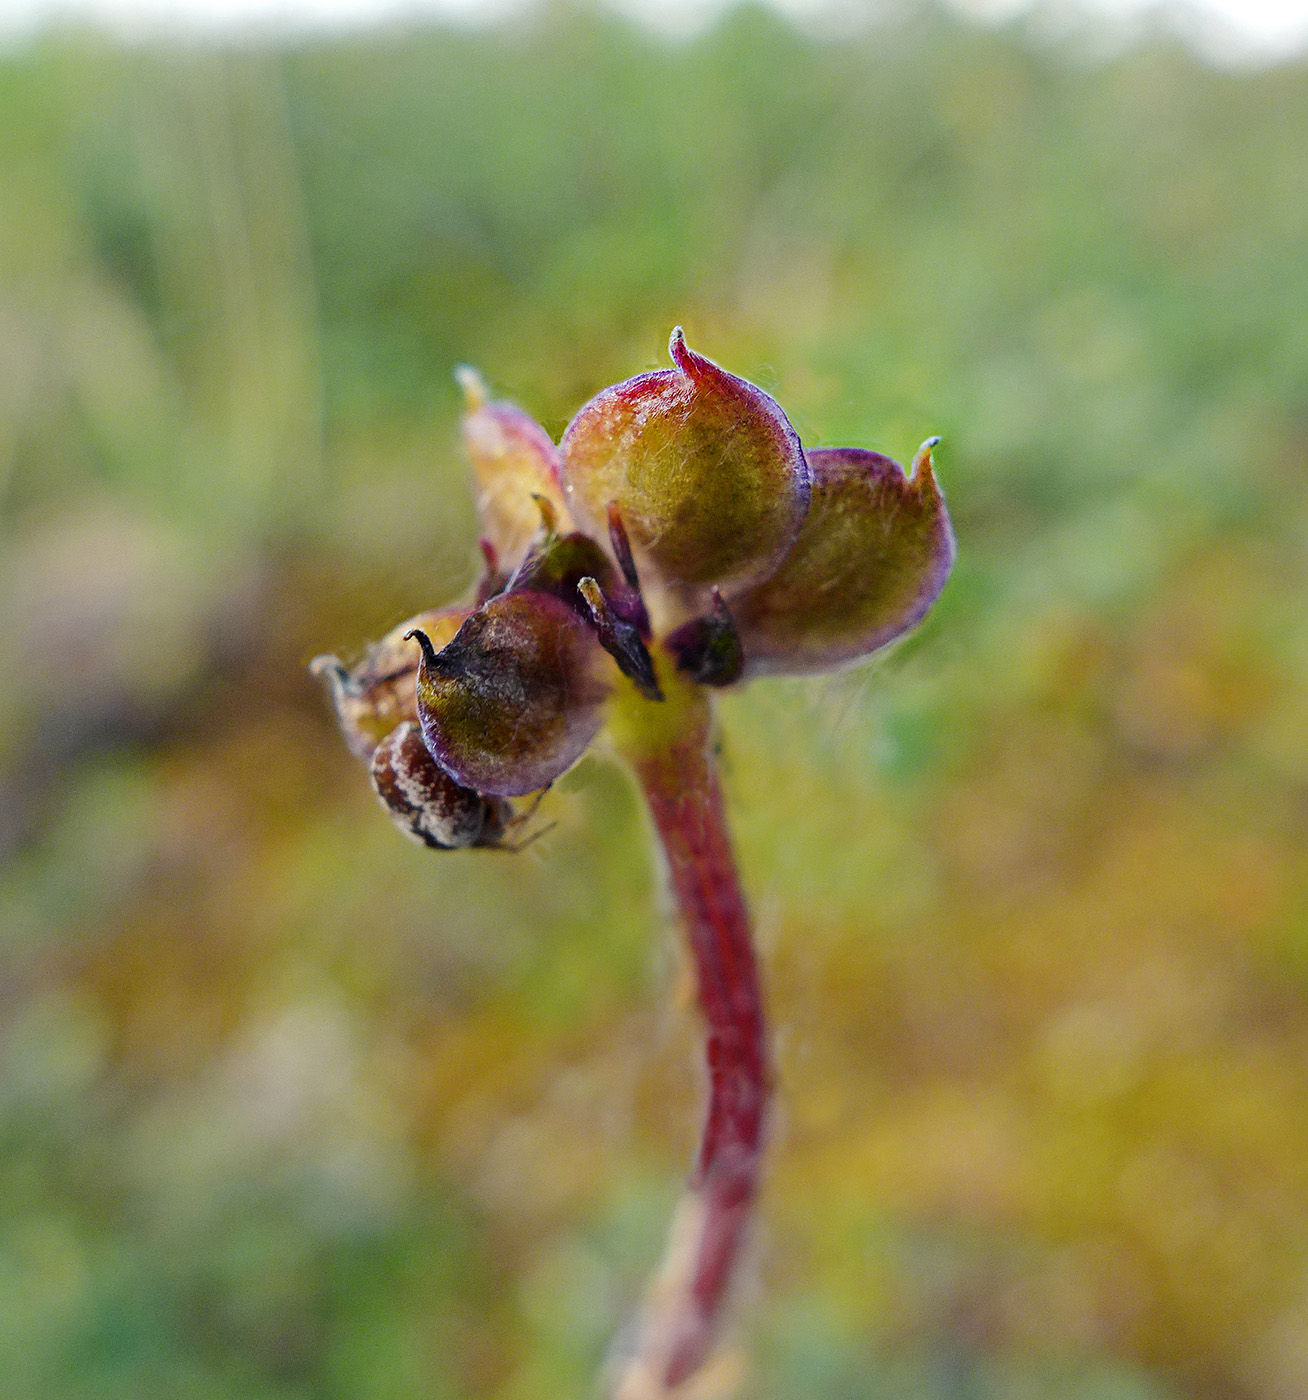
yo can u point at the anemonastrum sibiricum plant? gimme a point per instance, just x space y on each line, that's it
678 539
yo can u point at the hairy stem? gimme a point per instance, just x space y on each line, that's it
677 773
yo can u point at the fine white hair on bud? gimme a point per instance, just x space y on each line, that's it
705 469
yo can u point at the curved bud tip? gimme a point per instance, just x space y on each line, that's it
515 698
923 464
871 558
334 674
704 467
416 634
680 352
330 669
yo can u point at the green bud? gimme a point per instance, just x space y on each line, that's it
704 468
871 558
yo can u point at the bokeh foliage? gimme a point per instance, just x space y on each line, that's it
290 1109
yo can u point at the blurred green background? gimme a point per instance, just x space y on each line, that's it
292 1110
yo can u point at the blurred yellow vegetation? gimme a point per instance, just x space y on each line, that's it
291 1109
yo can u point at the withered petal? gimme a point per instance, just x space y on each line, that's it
380 693
514 462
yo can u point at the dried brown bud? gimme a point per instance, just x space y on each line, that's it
425 802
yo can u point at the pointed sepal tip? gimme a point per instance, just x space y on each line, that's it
706 469
621 639
475 393
922 468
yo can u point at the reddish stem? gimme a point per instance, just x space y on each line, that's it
685 800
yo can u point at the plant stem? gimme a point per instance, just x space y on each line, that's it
678 776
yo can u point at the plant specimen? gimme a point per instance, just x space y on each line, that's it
679 539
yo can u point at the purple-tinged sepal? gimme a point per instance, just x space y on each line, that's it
704 468
708 649
630 600
514 462
513 701
621 639
872 557
493 578
378 694
574 569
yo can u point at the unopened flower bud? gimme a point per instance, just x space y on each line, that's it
708 648
425 802
514 462
381 691
557 563
574 569
515 698
870 560
704 468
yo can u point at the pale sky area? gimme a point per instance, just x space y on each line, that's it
1225 30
